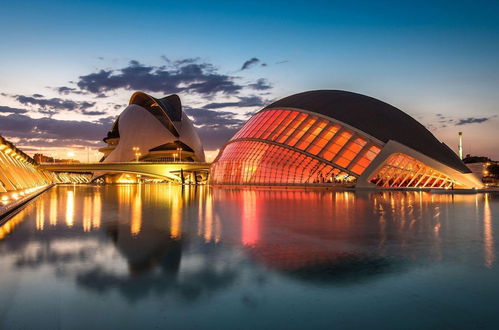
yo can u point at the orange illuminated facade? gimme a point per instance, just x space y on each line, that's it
404 171
292 147
338 138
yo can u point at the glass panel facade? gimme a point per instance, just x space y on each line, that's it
401 170
255 162
293 147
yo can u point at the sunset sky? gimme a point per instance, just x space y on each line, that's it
68 68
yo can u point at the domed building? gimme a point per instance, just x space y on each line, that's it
151 129
338 137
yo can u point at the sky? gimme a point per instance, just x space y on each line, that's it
68 68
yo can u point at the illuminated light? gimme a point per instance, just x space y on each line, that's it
5 198
15 196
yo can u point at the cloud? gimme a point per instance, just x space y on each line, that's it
6 109
49 131
249 63
205 117
64 90
188 75
473 120
249 101
261 85
53 105
443 121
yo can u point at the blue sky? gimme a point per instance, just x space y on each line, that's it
426 58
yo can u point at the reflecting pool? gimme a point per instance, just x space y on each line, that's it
159 256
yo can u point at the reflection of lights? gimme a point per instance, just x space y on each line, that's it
70 208
208 225
9 226
487 233
40 215
136 214
53 208
250 230
175 219
97 210
87 208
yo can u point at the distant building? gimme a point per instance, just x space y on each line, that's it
337 137
483 167
41 158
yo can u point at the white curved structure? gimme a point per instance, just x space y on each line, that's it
152 129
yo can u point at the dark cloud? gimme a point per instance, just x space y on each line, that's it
249 63
261 85
186 75
94 113
64 90
55 104
6 109
205 117
37 95
250 101
44 130
472 120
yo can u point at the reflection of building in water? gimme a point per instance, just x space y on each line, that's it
209 226
299 231
249 218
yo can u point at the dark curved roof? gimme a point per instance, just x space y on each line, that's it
167 110
376 118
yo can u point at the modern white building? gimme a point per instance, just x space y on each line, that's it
151 129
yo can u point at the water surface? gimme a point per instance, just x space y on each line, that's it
159 256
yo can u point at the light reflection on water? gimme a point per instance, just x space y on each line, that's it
86 256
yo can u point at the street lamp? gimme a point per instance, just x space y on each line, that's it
180 153
137 153
174 155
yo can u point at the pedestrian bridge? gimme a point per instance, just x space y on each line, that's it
173 171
